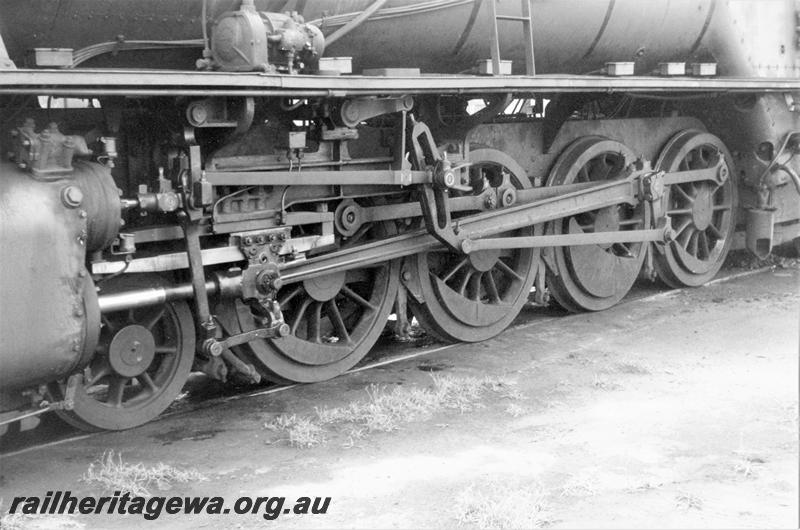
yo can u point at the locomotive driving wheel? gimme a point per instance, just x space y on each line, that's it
594 277
470 298
334 319
701 212
143 359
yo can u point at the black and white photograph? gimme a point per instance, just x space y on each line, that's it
399 264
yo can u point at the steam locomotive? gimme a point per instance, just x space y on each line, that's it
249 188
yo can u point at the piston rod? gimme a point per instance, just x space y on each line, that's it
227 286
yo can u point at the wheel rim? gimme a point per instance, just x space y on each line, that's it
334 320
595 277
702 213
473 298
143 360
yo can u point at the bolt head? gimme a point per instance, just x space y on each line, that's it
212 347
199 113
71 196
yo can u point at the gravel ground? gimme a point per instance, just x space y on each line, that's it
676 410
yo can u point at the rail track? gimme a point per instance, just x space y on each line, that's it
199 396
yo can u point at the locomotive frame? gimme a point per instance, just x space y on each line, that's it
280 217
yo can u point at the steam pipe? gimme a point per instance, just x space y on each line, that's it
353 24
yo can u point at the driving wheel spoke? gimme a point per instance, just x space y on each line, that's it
298 316
335 317
475 286
98 376
291 294
491 287
166 350
715 232
446 277
462 285
116 390
153 319
314 323
682 228
507 270
358 298
682 192
148 382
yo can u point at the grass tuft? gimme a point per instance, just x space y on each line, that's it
302 431
113 474
687 501
386 410
601 382
634 367
514 410
578 486
494 505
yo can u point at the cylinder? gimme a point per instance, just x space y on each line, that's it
49 320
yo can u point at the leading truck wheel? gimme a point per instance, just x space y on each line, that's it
702 213
143 360
594 277
470 298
